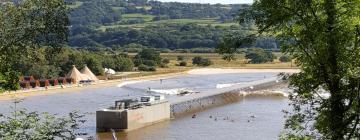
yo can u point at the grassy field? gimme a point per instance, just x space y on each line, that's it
76 5
149 21
146 18
145 7
240 61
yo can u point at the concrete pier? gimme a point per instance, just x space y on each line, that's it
200 101
130 119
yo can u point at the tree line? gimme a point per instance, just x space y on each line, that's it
165 36
107 11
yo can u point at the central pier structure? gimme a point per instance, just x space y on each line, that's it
128 115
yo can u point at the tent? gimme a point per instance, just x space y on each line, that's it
86 71
76 75
110 71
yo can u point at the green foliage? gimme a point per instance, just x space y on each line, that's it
323 36
180 58
257 56
285 58
2 82
143 67
198 60
94 65
148 57
231 42
183 63
165 61
171 36
94 12
206 62
22 32
123 63
34 126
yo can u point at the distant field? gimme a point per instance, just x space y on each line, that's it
77 4
145 7
240 61
148 19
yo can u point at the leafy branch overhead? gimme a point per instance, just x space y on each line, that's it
34 126
25 27
323 37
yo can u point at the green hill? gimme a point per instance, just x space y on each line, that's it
119 23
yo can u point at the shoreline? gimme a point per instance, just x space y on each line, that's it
201 71
20 94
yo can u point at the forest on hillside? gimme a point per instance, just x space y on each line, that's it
120 24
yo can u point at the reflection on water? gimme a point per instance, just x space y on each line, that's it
253 118
89 100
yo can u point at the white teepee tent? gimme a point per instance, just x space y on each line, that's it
76 75
86 71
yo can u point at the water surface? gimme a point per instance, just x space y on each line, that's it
268 110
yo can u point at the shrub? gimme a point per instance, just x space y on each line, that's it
21 124
196 60
146 55
285 58
165 61
149 63
258 55
206 62
183 63
180 58
152 68
201 61
143 67
162 65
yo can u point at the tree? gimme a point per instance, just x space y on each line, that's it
32 126
148 57
285 58
165 61
22 32
206 62
198 60
2 81
180 58
323 36
183 63
257 56
123 63
95 65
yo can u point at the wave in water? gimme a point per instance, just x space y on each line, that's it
175 91
219 86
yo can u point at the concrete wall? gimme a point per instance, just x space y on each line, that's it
107 120
148 115
226 97
126 120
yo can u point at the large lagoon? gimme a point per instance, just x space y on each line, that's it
250 118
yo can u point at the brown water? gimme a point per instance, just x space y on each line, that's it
230 122
267 124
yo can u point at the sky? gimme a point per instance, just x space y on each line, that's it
211 1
